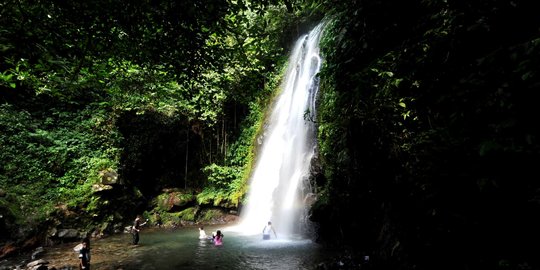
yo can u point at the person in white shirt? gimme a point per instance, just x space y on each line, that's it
202 233
267 230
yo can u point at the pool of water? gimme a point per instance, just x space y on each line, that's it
181 249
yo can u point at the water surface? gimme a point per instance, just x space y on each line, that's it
181 249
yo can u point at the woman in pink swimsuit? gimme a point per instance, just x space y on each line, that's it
218 238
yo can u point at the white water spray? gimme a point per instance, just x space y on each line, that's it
279 182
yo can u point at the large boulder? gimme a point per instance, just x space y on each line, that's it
37 265
175 201
109 177
216 216
68 234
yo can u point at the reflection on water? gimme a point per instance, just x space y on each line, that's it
181 249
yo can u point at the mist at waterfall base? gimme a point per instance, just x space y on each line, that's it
279 185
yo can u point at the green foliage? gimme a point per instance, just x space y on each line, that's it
7 79
70 71
422 103
227 185
220 176
210 215
188 214
216 197
242 150
47 161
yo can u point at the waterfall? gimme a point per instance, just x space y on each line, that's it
279 182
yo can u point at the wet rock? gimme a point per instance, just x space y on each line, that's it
52 232
96 234
118 228
309 199
38 252
39 267
32 265
68 233
105 228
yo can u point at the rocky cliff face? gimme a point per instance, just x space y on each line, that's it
427 136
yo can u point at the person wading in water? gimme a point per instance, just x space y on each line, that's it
267 230
84 255
136 229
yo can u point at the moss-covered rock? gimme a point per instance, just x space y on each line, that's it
108 177
174 201
215 216
188 214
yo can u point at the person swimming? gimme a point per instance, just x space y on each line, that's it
202 233
218 238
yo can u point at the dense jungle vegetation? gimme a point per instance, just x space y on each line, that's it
427 127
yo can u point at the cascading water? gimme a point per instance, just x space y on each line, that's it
279 182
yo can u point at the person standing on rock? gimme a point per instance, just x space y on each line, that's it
87 241
137 228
